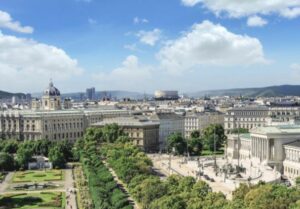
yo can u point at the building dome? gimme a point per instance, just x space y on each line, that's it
51 90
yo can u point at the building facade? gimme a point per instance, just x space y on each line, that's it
143 132
198 121
47 119
169 123
276 147
257 116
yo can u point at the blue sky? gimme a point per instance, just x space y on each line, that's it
143 45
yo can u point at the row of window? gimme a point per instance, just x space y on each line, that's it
63 126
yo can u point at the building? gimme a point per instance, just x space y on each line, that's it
47 120
143 132
166 95
291 163
51 99
198 121
91 93
245 117
169 123
257 116
275 147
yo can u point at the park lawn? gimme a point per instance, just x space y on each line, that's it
45 200
210 153
38 176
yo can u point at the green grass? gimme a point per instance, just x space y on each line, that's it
53 200
2 176
38 176
210 153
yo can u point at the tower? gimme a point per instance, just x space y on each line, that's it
51 99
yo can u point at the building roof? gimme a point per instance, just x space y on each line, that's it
295 144
246 136
51 90
127 121
281 129
166 116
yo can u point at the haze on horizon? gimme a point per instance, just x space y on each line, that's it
134 45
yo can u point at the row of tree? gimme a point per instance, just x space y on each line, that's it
212 138
104 191
134 168
16 154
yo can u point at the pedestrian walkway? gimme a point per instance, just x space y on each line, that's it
122 185
5 184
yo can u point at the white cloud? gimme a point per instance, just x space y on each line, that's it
242 8
138 20
130 76
131 47
7 22
149 37
190 3
25 63
92 21
210 44
256 21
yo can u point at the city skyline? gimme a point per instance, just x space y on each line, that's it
188 45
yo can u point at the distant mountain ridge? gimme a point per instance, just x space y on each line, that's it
8 95
270 91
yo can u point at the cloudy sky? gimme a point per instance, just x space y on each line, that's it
143 45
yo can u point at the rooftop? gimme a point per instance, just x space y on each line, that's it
295 144
127 121
281 129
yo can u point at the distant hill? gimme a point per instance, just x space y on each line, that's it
271 91
8 95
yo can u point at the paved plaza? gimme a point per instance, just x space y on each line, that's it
203 168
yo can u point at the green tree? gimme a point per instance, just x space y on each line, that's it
65 147
24 155
10 146
41 147
57 157
241 192
149 190
177 142
167 202
112 132
213 136
298 181
195 146
195 134
6 162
